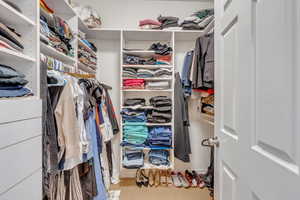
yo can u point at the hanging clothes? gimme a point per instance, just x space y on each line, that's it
181 123
202 75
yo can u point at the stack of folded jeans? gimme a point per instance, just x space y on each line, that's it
135 102
162 110
159 157
12 83
129 72
133 159
158 85
134 84
160 137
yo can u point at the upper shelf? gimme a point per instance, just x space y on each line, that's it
62 8
50 51
10 16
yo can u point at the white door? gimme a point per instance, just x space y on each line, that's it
258 99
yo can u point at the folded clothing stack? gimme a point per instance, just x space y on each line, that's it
161 49
149 24
161 56
87 58
10 39
159 157
133 159
56 31
158 85
160 137
163 60
163 73
135 102
12 83
168 21
146 73
130 115
134 84
130 72
162 110
198 20
137 60
135 133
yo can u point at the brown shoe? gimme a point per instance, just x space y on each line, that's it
163 177
151 176
169 178
157 178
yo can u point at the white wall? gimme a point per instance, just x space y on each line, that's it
126 14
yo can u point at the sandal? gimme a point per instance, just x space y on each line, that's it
138 180
145 180
151 178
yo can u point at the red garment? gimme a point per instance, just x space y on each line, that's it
208 91
149 22
167 58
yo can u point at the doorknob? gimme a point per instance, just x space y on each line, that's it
214 141
211 142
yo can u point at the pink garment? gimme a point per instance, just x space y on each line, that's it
149 22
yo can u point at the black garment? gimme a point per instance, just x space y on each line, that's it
161 49
109 157
111 114
181 130
135 101
203 66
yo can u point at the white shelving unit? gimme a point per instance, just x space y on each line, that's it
20 118
62 9
141 39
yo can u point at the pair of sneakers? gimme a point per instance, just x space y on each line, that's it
187 180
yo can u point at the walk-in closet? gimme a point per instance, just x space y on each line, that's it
149 99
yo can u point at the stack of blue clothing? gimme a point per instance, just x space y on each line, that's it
159 157
135 131
160 137
12 83
133 159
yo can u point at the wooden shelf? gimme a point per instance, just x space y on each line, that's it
9 15
50 51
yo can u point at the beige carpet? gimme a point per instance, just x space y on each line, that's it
129 191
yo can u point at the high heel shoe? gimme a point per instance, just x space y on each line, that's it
157 178
151 176
145 179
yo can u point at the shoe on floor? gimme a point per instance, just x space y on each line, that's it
175 179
